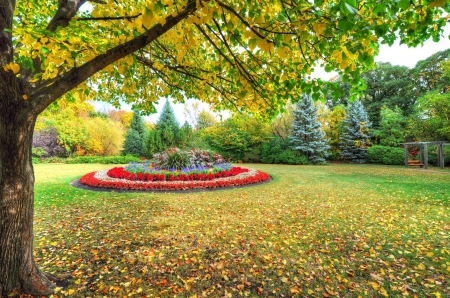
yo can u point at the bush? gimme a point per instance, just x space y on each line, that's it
277 151
103 159
46 144
172 159
432 155
386 155
204 158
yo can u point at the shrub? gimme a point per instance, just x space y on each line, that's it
204 158
47 140
432 155
103 159
386 155
277 151
172 159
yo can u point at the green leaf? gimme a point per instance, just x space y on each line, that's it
381 30
345 25
351 9
403 4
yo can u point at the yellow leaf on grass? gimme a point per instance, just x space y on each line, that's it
383 292
430 254
375 286
25 97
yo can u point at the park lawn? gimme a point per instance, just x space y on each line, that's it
314 231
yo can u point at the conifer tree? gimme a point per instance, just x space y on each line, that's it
355 137
134 140
168 126
133 143
307 135
153 143
138 124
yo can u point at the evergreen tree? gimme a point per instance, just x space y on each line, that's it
138 124
153 143
136 135
133 143
168 126
355 137
307 135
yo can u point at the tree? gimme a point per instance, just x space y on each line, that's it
392 128
307 135
239 137
355 137
282 124
332 126
124 117
429 75
153 143
168 126
388 85
133 144
205 119
137 124
238 55
431 121
106 137
192 112
135 137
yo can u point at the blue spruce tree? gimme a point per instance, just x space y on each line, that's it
355 137
307 135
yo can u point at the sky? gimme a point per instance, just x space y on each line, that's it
396 54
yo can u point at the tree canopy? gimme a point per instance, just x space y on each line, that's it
232 54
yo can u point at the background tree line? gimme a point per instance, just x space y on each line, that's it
399 104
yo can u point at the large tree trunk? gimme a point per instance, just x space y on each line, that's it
18 271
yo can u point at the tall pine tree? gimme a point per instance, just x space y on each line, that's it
168 126
134 140
355 137
307 135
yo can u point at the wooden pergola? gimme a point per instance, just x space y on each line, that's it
423 147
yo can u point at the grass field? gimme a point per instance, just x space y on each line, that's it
314 231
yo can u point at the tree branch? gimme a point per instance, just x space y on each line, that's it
230 9
44 96
67 9
128 18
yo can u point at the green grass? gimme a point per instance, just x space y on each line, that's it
314 231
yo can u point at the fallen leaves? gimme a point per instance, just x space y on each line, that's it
342 237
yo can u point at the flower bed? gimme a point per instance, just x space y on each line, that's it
122 173
122 181
175 169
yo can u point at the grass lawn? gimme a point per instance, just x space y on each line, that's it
314 231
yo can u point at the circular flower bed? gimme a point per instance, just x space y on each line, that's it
204 170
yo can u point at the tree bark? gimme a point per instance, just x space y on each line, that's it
18 271
20 104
